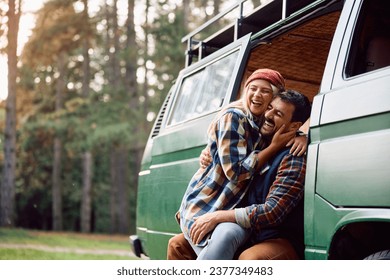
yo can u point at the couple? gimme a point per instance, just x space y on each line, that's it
221 211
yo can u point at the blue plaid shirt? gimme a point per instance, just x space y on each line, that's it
233 140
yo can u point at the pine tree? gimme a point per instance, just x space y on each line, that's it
49 48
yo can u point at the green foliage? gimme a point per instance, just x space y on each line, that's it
101 202
53 34
168 56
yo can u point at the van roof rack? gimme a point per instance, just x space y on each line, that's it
259 19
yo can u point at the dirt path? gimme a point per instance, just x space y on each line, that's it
125 253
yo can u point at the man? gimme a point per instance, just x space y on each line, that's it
275 196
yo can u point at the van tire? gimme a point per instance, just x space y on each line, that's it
381 255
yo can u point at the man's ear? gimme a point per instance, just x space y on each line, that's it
295 125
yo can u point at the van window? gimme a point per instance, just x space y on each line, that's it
204 91
371 41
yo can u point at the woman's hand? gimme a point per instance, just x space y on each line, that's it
299 145
205 158
281 138
202 226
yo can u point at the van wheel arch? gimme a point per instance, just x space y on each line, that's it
356 241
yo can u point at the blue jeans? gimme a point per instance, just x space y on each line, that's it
223 243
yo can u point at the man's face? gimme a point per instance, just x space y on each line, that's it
277 114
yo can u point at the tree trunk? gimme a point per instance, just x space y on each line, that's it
57 189
131 61
86 66
119 194
86 202
132 88
146 56
86 199
113 194
119 211
217 7
113 48
57 161
187 13
122 183
7 192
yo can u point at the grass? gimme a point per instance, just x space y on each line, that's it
32 254
20 244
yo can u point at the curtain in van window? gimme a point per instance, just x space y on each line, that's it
204 91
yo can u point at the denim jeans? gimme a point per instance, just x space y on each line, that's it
223 243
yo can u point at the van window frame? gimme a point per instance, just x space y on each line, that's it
341 77
241 45
364 20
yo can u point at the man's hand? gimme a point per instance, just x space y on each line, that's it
207 222
202 226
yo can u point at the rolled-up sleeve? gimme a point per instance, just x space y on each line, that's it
242 218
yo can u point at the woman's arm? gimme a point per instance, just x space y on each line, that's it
232 142
299 143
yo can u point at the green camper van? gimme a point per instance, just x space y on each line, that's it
336 52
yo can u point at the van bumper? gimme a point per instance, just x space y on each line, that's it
136 245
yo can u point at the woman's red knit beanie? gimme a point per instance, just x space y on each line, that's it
272 76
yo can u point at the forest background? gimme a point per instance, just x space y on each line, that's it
82 98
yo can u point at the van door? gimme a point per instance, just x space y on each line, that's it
351 141
200 91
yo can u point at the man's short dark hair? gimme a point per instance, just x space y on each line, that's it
300 102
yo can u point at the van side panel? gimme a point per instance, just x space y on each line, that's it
369 96
175 160
351 139
354 170
353 158
172 139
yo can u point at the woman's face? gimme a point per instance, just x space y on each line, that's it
258 96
